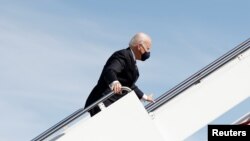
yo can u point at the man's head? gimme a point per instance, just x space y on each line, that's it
141 45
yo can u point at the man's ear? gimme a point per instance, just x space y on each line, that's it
139 47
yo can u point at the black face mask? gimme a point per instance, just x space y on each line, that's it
145 56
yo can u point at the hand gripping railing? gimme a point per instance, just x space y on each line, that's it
74 116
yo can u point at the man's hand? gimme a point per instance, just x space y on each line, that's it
117 87
148 98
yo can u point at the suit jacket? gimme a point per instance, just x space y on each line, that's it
120 66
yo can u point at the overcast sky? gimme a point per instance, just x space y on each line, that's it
52 51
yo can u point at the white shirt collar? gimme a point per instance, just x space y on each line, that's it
133 54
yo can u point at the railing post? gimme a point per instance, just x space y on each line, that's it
101 106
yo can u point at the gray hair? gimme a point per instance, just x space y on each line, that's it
138 38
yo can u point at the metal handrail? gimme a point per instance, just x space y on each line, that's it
195 78
73 116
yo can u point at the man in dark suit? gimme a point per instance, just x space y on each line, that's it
121 70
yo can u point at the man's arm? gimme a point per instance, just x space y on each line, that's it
141 95
114 65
